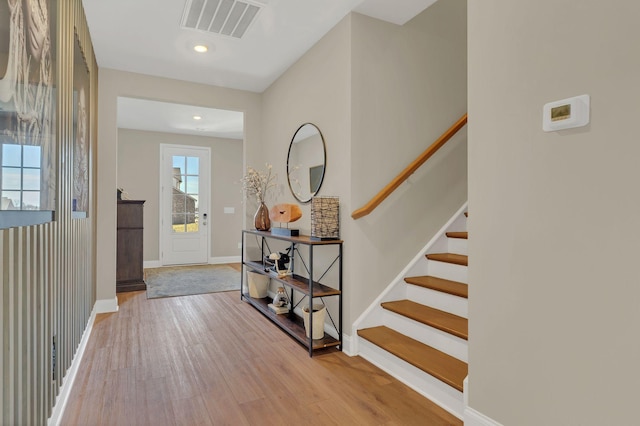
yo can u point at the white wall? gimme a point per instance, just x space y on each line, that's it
113 84
554 300
139 175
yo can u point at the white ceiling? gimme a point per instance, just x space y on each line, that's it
145 36
154 116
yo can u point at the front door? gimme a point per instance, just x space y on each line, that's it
184 188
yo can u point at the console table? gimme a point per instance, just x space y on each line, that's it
304 281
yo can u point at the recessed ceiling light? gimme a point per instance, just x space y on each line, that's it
197 117
200 48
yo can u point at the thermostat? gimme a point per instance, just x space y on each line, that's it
566 113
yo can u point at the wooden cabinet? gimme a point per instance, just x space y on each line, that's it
304 286
129 269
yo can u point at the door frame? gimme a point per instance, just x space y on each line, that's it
161 207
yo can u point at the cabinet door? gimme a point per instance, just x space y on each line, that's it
130 216
129 258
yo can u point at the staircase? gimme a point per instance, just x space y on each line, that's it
417 330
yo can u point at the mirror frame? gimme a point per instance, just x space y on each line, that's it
324 163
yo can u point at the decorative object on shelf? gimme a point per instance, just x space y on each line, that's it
280 261
258 284
258 184
278 310
280 299
280 302
261 218
122 194
285 213
319 312
325 218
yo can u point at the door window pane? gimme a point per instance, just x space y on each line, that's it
192 185
186 189
193 166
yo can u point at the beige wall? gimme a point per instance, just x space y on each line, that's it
315 89
554 311
409 86
139 175
113 84
380 94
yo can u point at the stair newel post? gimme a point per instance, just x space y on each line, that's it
311 300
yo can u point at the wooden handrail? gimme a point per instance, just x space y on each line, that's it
409 170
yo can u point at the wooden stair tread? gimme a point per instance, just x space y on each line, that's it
444 367
435 318
457 259
440 284
462 235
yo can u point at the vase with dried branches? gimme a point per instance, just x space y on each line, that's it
257 183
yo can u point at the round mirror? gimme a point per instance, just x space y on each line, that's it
306 162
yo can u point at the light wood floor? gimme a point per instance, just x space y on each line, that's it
213 360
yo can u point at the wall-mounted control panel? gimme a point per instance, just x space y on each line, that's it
566 113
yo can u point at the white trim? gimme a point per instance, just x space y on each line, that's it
400 277
67 382
151 264
104 306
224 259
347 343
465 392
475 418
212 261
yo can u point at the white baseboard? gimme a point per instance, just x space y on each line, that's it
226 259
475 418
104 306
347 342
70 377
212 261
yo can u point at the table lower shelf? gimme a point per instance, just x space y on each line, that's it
290 323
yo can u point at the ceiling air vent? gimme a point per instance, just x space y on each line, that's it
226 17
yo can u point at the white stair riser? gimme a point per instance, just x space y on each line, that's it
458 246
436 299
374 319
460 224
448 271
425 384
438 339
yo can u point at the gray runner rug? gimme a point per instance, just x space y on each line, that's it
186 280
